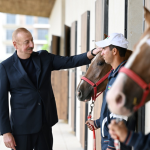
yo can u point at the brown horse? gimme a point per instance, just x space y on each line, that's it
131 89
95 72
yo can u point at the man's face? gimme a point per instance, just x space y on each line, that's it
24 43
107 55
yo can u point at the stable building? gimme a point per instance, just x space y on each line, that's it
75 26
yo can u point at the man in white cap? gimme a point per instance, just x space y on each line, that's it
114 48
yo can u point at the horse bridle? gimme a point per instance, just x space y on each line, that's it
140 82
95 85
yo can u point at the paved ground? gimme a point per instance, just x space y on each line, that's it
63 138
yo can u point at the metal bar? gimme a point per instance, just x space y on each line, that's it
106 3
75 98
126 18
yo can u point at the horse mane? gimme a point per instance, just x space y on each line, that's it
105 36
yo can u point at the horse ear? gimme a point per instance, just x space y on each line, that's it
147 15
105 36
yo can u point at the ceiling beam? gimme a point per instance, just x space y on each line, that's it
41 8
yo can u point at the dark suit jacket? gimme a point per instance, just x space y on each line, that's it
26 111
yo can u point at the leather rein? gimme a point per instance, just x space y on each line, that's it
140 82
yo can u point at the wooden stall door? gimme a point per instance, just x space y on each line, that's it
85 21
99 10
59 80
101 27
55 45
67 41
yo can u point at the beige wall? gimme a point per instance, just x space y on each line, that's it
116 16
55 18
57 22
135 21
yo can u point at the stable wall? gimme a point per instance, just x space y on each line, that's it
73 12
116 16
135 21
68 11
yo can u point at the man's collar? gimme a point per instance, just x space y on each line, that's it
115 72
16 56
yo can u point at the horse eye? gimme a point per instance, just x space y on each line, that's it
100 63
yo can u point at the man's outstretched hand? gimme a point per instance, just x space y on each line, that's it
118 130
9 140
95 52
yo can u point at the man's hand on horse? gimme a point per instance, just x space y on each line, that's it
94 51
118 130
9 140
97 50
90 123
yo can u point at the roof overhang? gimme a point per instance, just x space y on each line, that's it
41 8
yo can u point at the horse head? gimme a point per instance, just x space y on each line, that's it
97 70
131 89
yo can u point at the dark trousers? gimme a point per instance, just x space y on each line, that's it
43 140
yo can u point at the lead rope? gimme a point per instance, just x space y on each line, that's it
94 99
89 118
116 141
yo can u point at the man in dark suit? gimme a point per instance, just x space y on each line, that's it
26 75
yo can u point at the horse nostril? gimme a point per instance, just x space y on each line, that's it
120 99
79 94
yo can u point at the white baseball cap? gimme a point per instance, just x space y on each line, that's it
116 39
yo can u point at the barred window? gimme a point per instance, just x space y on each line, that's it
11 19
10 49
9 34
42 34
43 20
29 20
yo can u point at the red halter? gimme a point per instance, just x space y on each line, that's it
140 82
95 85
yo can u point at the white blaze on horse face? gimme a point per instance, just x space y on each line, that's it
148 41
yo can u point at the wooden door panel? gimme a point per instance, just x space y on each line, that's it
55 45
99 35
84 48
67 41
59 81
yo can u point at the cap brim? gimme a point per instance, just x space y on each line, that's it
102 43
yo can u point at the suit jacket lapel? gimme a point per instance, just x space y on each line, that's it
37 64
17 64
